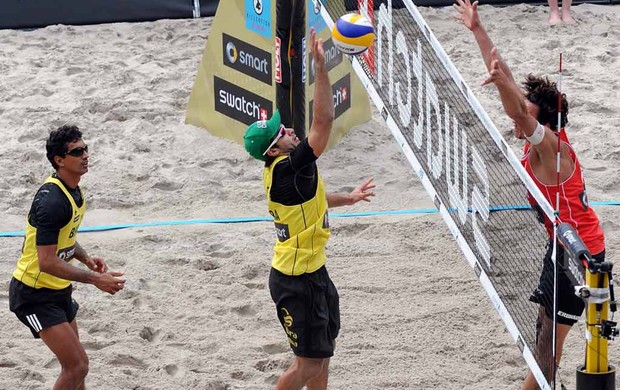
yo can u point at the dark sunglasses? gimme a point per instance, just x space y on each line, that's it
77 152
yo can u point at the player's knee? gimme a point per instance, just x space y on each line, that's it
311 367
80 368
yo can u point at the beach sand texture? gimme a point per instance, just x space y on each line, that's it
196 311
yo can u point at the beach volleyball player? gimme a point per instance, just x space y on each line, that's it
534 110
307 302
40 293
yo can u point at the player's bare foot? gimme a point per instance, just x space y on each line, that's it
568 19
554 18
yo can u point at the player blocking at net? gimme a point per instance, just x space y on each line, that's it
536 110
307 301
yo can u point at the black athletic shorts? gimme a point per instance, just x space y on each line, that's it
308 309
40 308
569 306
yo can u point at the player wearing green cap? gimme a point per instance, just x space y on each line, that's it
307 301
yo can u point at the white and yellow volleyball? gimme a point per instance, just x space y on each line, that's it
353 34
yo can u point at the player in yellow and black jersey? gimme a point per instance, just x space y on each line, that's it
306 300
40 291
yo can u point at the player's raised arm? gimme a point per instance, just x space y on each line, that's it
542 140
323 110
468 15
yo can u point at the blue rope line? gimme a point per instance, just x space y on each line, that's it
262 219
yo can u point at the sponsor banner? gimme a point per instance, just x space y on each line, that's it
315 20
258 17
341 90
342 95
247 59
333 58
234 82
240 104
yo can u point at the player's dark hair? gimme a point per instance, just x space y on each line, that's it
544 93
58 140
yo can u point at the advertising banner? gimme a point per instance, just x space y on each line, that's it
246 64
234 83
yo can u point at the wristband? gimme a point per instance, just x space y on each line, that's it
537 136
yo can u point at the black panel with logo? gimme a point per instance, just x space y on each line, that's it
341 90
247 59
240 104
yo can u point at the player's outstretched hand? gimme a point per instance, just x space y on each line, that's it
318 53
467 13
96 264
110 282
363 192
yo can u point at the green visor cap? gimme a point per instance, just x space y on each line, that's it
259 135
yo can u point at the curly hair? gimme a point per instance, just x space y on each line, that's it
58 140
544 93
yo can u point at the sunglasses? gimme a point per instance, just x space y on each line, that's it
77 152
280 134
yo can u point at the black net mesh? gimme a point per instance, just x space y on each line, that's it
470 172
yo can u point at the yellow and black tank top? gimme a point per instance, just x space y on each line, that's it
302 230
27 270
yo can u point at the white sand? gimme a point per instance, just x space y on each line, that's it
196 312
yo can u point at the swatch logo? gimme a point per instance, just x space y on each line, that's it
240 104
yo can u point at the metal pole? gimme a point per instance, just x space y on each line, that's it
196 8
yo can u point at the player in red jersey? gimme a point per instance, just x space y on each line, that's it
534 110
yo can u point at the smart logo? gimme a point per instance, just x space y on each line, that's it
258 17
240 104
282 232
247 59
66 254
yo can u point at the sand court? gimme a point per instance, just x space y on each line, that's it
196 311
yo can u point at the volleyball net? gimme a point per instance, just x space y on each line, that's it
465 165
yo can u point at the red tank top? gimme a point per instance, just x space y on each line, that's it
574 207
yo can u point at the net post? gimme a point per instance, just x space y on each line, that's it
591 278
597 373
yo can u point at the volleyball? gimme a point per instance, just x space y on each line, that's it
353 34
